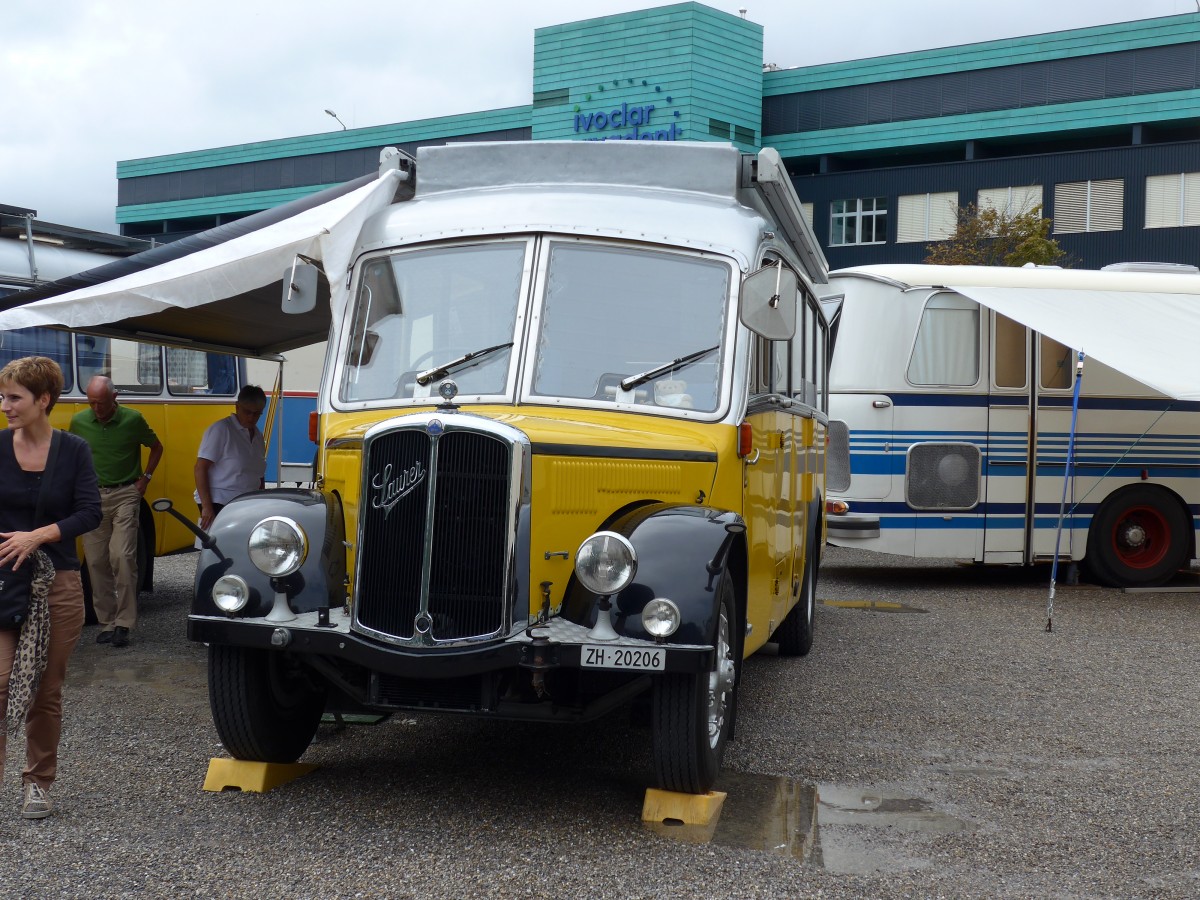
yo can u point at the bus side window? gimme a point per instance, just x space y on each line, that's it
135 368
1055 363
198 372
1010 362
947 346
769 361
38 342
822 375
808 354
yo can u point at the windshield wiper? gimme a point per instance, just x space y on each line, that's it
641 378
446 368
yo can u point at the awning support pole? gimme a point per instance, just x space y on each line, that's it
1062 506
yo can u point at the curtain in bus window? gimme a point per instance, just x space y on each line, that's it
38 342
222 373
187 371
947 346
147 363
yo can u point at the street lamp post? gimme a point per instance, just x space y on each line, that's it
330 112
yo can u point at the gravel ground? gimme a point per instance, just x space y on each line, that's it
951 748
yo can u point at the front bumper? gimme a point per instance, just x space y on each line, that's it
557 644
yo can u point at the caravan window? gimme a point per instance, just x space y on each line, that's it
1056 363
1010 363
947 346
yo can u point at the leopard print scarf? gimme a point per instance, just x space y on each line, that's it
30 659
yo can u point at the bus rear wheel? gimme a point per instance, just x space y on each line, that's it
794 636
264 705
1139 538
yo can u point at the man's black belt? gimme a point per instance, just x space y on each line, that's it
109 487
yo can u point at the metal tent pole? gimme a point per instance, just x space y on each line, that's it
1062 506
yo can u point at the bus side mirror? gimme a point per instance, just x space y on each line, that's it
300 284
768 303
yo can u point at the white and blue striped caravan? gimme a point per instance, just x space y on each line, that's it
957 387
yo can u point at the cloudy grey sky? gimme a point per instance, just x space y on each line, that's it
90 82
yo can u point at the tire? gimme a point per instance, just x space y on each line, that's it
691 716
794 636
264 706
1139 538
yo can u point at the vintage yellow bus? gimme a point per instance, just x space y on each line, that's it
572 429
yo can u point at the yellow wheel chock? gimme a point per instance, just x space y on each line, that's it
244 775
688 809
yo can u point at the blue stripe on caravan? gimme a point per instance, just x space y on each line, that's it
1018 400
938 399
1103 403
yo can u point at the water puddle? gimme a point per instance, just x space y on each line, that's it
874 605
842 829
160 673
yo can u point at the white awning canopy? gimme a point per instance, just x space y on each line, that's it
1146 325
238 283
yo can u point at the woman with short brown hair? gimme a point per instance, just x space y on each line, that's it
29 388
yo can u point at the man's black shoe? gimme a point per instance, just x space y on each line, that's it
104 637
120 636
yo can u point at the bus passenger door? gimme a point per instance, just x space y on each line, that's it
769 484
1006 465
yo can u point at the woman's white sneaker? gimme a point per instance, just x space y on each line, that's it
36 804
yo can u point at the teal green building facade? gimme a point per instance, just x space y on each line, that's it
1098 126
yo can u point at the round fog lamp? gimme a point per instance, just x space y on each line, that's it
230 593
605 563
661 617
277 546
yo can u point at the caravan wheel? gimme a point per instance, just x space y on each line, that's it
1139 538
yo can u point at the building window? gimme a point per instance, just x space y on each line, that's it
743 135
861 221
1173 200
1011 201
717 128
926 217
555 97
1081 206
807 208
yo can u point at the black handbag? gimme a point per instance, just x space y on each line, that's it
16 585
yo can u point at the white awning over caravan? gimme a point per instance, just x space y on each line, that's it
238 283
1146 325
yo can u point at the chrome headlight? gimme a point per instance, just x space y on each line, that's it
230 593
661 618
277 546
605 563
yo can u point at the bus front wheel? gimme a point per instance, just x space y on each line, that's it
692 714
1139 538
264 705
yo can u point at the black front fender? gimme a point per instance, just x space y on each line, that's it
320 581
681 552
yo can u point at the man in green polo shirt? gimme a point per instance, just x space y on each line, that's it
116 435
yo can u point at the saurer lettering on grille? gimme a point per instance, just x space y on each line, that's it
389 491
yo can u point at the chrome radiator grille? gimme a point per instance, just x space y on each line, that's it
434 571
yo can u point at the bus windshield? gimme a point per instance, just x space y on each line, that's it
419 310
640 310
